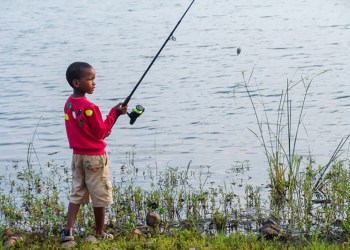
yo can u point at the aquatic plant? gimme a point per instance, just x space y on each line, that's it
301 194
308 202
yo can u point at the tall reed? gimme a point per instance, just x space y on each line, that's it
296 183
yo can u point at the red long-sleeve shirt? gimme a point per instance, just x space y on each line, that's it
85 127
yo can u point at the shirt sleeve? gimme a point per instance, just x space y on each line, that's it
100 128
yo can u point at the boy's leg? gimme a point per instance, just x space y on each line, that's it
80 193
73 210
99 220
67 234
100 188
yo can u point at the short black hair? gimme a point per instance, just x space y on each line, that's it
74 71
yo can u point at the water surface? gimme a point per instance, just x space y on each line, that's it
195 108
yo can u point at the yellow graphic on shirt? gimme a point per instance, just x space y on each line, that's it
88 112
66 117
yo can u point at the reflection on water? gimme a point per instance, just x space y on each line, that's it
195 109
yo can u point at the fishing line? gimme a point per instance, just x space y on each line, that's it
138 110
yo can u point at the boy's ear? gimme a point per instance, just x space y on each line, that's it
75 83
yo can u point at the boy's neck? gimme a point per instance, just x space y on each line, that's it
78 94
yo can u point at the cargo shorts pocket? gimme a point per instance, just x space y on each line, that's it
107 184
94 163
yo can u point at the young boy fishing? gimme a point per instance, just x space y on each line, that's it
86 131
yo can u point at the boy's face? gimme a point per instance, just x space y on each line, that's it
86 83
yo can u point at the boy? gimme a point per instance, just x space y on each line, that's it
86 131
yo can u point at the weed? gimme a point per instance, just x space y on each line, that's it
303 195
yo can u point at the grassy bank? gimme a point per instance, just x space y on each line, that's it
33 205
305 205
186 240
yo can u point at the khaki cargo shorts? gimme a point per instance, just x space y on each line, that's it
91 180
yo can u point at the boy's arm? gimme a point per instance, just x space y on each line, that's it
101 128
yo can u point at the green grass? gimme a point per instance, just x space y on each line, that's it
184 240
310 202
205 217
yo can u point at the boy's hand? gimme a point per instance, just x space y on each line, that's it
120 109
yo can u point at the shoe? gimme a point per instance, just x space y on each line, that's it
105 236
67 235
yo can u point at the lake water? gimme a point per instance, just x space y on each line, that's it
195 108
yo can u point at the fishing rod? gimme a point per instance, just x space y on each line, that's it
138 110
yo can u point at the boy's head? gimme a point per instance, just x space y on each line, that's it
75 71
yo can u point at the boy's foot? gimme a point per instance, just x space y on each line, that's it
67 235
105 236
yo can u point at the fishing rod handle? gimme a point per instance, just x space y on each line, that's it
126 101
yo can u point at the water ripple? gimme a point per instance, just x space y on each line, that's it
196 106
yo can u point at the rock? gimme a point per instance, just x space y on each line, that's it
147 244
169 233
270 221
17 237
152 219
91 239
137 232
272 226
345 245
194 248
9 243
338 223
319 201
270 229
269 233
8 232
69 244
